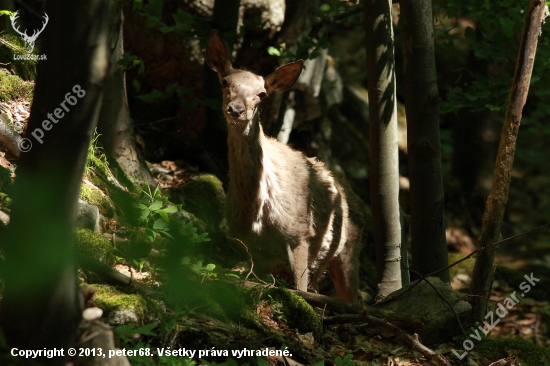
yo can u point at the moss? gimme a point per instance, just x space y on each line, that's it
11 45
466 266
93 245
118 305
5 179
297 312
120 176
204 197
94 196
527 353
13 87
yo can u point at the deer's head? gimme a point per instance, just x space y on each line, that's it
29 40
243 91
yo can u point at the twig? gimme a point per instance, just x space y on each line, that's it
251 272
409 340
485 248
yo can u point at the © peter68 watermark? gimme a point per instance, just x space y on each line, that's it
65 106
501 310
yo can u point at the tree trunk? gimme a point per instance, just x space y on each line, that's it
384 167
41 307
495 204
427 201
115 124
214 135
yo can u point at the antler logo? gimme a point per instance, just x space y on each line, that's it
29 40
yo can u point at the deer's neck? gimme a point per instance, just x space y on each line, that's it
247 176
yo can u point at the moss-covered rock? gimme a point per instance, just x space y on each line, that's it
11 45
94 196
5 179
137 246
122 308
204 197
295 310
527 353
94 245
13 87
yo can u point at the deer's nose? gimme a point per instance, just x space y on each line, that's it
235 110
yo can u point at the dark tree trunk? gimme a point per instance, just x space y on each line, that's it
427 201
41 307
475 142
214 135
384 167
115 124
495 205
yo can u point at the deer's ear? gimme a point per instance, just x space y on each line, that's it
217 56
284 77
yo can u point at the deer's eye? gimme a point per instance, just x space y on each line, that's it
225 83
262 95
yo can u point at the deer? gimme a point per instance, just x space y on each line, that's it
29 40
292 213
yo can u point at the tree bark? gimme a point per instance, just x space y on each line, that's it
115 124
427 201
214 135
41 307
495 205
384 166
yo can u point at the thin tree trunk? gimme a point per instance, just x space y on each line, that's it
214 136
427 201
115 124
495 204
384 167
41 305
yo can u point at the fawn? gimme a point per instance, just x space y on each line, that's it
290 211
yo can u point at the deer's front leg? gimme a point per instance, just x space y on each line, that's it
298 259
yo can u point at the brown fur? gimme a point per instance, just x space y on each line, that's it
290 211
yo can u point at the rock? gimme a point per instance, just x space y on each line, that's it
422 300
87 216
93 245
121 308
204 197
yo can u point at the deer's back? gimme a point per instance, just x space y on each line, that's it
296 200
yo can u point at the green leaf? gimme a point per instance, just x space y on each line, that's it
136 84
232 275
155 205
170 209
210 267
163 215
160 224
273 51
144 215
151 235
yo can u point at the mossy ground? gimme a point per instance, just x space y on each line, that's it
527 353
11 45
12 87
295 310
94 245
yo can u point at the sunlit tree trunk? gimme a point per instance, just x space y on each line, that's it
384 166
